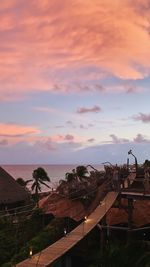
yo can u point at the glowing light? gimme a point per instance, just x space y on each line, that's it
31 252
85 218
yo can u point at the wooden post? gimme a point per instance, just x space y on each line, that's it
130 217
103 234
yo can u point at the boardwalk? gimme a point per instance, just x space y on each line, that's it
49 255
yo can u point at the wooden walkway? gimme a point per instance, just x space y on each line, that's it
49 255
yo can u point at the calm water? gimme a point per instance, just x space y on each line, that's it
55 172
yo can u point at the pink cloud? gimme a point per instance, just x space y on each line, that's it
44 109
138 139
142 117
46 144
117 140
94 109
141 139
3 142
82 126
16 133
69 137
47 45
91 140
16 130
124 89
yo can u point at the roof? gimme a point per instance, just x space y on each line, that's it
10 190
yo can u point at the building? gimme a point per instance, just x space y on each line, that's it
11 193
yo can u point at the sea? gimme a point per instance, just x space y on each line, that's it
55 172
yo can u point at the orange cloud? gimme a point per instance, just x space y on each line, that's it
48 44
67 138
11 133
15 130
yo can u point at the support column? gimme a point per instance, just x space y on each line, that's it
130 217
103 234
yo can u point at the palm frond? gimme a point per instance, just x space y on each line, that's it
45 184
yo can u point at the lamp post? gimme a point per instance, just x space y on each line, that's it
107 162
136 164
92 167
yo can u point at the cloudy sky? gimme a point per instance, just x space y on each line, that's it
74 81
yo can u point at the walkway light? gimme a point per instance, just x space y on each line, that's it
65 231
31 252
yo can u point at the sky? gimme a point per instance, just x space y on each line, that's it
74 81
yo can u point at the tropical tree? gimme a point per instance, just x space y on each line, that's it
22 182
40 176
81 172
70 176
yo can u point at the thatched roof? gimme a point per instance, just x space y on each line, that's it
10 190
141 214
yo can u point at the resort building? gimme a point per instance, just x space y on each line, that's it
11 193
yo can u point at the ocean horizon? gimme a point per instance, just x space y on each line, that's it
55 172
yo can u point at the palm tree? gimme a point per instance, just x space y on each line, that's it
39 178
81 172
70 176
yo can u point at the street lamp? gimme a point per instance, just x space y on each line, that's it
136 165
92 167
107 162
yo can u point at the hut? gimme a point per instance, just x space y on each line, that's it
11 193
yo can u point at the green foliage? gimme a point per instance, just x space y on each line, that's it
44 238
116 255
9 264
7 239
14 236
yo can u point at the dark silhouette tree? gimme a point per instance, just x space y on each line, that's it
81 172
40 176
22 182
70 176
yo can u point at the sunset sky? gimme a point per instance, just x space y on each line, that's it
74 81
